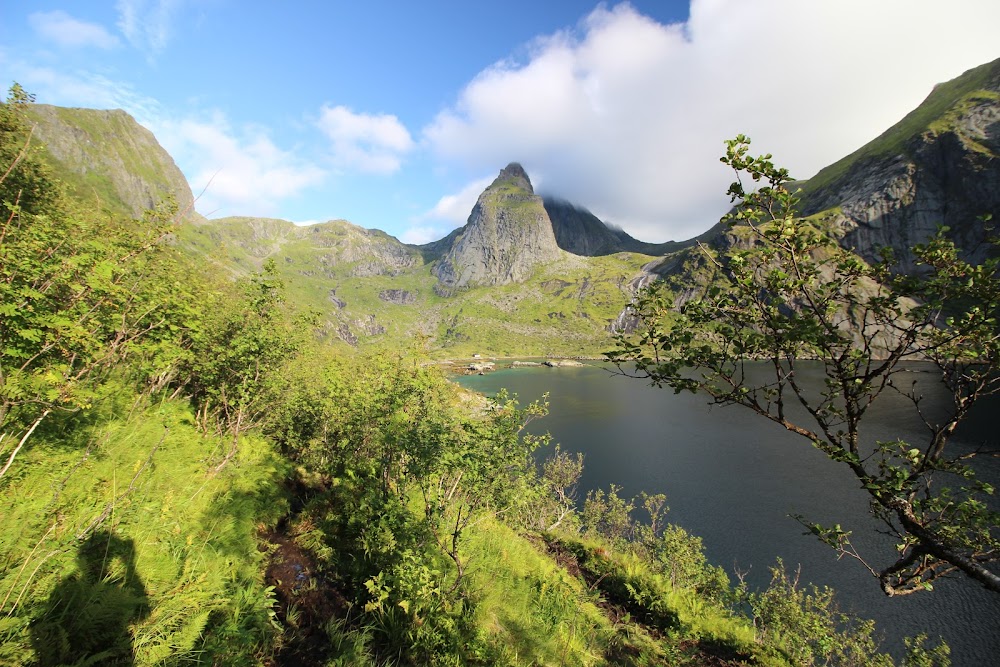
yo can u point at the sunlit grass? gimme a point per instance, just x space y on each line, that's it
139 474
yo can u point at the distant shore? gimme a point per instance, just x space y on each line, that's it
480 365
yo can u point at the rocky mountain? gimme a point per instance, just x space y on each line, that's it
940 165
508 234
108 158
370 289
580 232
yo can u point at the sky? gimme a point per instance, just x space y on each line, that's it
396 115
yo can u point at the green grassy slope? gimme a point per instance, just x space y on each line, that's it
121 544
564 309
106 157
374 291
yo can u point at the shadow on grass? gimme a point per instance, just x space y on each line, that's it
88 614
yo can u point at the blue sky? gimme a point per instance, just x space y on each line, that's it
395 115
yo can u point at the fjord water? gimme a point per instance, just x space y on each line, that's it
733 478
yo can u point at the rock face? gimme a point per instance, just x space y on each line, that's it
938 166
400 297
508 234
108 156
580 232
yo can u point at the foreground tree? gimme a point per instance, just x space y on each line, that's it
74 293
238 354
784 292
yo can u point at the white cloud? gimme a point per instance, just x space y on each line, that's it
455 208
627 116
242 172
59 27
83 89
372 143
449 212
422 234
146 24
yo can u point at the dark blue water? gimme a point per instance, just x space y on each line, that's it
733 478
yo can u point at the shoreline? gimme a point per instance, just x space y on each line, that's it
485 364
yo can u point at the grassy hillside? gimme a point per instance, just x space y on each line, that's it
117 539
125 543
564 309
107 158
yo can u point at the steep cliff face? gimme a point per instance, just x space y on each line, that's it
107 157
938 166
580 232
507 236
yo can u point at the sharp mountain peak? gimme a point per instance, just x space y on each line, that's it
514 174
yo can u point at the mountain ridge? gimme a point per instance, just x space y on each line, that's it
108 156
580 232
938 166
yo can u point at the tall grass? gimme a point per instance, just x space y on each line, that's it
530 605
134 475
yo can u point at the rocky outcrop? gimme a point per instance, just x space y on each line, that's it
400 297
107 156
335 300
626 321
365 326
481 367
561 363
370 326
345 334
507 236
